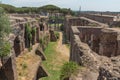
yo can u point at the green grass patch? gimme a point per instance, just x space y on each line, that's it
50 63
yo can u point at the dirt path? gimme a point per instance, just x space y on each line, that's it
62 48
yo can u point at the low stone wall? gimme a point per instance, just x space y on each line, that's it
101 18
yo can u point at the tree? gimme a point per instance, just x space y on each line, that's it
49 8
4 33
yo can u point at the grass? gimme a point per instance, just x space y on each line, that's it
54 63
49 64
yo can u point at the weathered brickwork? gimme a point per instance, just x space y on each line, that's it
97 49
20 42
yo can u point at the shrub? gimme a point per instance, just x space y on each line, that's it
68 69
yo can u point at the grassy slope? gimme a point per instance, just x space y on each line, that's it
52 62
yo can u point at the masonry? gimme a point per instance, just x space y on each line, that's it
94 47
21 43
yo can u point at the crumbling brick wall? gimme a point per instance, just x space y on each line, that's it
107 68
18 42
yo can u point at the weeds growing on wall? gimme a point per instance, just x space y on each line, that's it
29 35
28 31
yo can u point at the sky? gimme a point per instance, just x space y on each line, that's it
91 5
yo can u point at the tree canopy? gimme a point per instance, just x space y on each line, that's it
46 8
49 8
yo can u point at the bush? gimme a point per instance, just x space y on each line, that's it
68 69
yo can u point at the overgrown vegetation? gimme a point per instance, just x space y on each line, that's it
68 69
5 29
54 62
28 31
50 63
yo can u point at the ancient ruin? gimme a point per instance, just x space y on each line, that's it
95 47
22 44
53 43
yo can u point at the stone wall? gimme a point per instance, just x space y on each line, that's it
20 42
100 18
108 43
104 41
91 36
79 21
99 37
81 53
